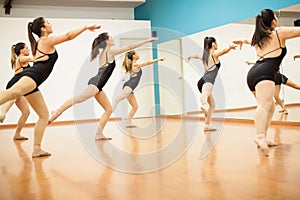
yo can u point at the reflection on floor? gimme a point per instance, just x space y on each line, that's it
248 114
163 165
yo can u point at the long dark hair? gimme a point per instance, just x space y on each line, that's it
35 27
263 27
15 52
98 43
127 63
207 46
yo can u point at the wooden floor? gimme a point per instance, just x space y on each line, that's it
161 159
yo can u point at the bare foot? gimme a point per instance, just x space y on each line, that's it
20 137
102 137
54 114
2 118
40 153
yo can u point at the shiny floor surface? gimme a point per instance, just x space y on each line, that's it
160 159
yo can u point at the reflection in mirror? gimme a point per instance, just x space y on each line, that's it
238 102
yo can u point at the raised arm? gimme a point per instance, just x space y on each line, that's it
54 40
289 33
149 62
194 57
241 42
132 46
224 51
26 59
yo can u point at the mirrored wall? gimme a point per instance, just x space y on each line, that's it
232 96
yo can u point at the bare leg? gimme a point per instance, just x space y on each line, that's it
24 108
292 84
207 123
23 86
134 107
89 92
264 96
206 93
124 94
277 98
4 109
104 102
36 101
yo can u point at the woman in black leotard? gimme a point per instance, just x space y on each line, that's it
270 49
45 57
94 89
134 69
20 59
212 64
281 79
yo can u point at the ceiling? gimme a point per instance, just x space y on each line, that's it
77 3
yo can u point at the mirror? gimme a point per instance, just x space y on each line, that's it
234 101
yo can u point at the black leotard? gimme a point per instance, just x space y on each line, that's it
103 74
280 79
16 77
134 80
265 68
209 75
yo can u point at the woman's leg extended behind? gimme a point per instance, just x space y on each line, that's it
5 108
124 94
37 102
23 86
89 92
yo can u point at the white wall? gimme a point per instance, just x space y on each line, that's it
231 85
72 61
31 11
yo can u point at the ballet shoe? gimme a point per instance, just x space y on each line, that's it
2 118
204 107
283 111
261 143
40 154
130 125
210 129
20 137
270 144
102 137
54 114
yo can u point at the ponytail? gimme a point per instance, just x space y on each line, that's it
13 56
35 27
263 27
15 52
98 43
207 46
127 63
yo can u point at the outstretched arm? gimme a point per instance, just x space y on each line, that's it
132 46
26 59
149 62
224 51
54 40
241 42
250 62
194 57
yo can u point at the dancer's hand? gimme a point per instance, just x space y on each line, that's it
161 59
93 27
152 39
238 42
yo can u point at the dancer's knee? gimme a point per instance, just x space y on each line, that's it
108 110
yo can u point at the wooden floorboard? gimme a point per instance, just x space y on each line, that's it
81 168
